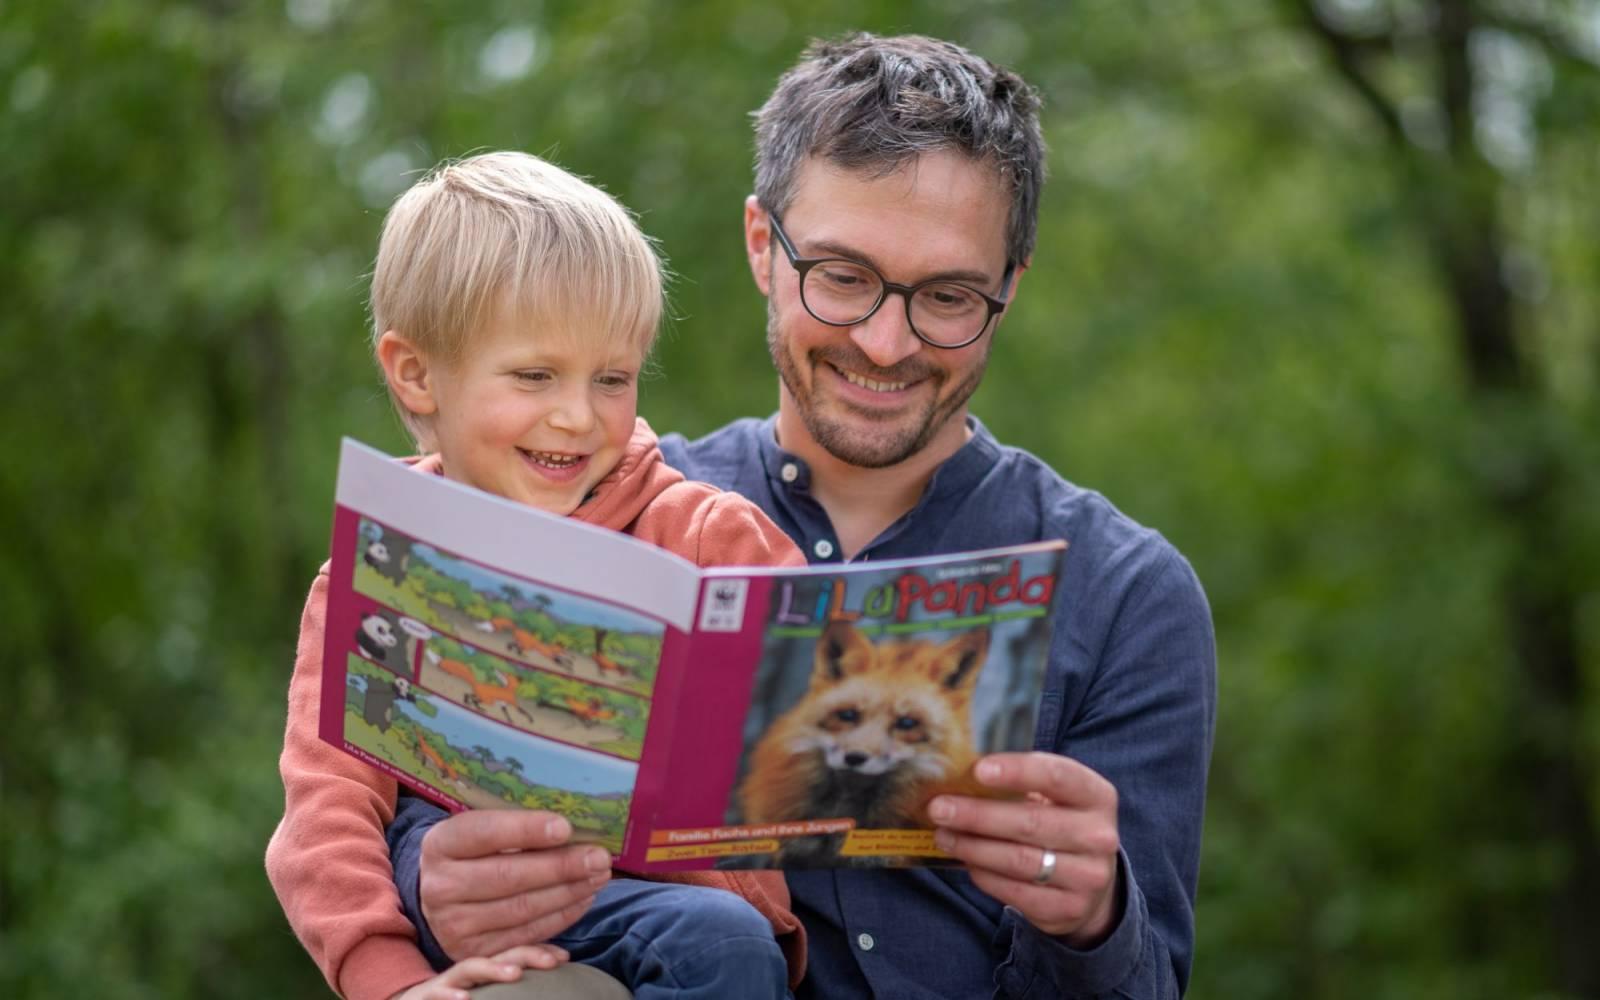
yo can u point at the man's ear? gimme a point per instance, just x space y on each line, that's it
408 372
758 243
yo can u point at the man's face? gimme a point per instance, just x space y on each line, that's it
873 395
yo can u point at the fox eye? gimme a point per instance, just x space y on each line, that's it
847 715
907 722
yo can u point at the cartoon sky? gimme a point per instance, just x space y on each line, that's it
568 606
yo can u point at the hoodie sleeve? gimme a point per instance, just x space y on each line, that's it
732 531
328 860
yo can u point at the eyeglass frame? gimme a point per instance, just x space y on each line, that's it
803 266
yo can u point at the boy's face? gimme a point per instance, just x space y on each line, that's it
532 416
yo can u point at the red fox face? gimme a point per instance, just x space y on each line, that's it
874 709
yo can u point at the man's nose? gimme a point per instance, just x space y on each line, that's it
885 337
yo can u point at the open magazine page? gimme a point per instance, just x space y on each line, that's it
488 655
876 687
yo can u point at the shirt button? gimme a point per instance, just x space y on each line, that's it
865 941
823 548
790 472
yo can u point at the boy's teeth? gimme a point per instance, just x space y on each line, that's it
546 458
872 384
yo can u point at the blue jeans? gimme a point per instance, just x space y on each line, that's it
680 941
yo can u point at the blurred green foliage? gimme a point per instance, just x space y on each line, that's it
1240 325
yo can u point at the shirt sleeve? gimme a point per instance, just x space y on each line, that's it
326 860
1146 725
413 817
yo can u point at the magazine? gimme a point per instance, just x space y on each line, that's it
489 655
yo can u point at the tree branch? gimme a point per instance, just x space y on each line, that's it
1349 53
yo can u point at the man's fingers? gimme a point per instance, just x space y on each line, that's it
481 832
1060 779
1051 911
506 874
525 918
1031 824
1021 863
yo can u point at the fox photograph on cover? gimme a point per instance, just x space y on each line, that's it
879 689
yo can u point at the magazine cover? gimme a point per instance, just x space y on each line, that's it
877 687
488 655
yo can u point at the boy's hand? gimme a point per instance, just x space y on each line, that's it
506 967
494 879
1052 854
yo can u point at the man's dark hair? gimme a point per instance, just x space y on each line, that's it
871 104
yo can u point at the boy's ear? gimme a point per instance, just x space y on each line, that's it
758 243
409 375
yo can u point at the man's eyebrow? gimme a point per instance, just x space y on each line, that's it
828 248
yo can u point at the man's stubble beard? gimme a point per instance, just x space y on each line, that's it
868 451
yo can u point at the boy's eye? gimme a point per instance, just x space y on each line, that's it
614 381
533 376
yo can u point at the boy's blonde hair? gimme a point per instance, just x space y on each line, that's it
506 235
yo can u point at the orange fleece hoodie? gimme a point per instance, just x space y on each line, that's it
328 861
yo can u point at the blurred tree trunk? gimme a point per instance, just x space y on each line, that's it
1459 202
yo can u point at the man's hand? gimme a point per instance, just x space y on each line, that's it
495 879
1067 810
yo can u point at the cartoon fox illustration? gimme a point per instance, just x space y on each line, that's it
522 642
589 710
607 666
482 694
881 731
434 759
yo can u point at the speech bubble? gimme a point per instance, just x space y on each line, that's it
416 629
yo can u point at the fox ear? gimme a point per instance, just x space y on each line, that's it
837 642
967 652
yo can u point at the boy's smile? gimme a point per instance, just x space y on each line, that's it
534 416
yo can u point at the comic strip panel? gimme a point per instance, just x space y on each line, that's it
481 763
551 704
542 627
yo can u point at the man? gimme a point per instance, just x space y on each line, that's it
894 217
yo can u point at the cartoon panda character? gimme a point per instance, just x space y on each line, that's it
376 555
378 639
378 707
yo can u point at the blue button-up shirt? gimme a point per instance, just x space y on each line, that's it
1130 691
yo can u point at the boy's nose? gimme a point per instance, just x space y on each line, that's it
885 337
573 412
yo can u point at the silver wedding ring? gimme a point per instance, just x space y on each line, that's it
1047 867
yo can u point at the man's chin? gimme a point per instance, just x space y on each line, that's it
867 443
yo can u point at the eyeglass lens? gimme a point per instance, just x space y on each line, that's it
842 292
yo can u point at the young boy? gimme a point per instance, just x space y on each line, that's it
513 306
